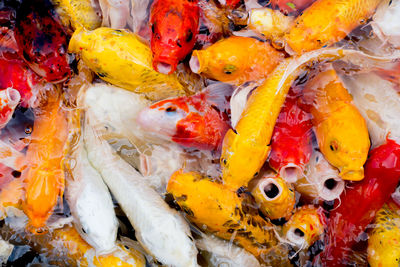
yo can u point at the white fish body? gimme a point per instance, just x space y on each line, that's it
115 13
386 23
222 253
91 204
161 230
116 110
379 104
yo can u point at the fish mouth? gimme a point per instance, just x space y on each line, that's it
291 172
271 189
332 187
164 68
164 65
195 62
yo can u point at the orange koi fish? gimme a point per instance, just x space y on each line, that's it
44 180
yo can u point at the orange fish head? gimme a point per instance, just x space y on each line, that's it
173 37
161 118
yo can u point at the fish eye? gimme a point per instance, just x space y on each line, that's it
224 161
153 28
28 130
178 43
189 36
170 109
229 69
334 145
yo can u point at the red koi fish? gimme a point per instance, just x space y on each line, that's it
231 4
360 202
193 122
174 25
42 42
291 146
291 6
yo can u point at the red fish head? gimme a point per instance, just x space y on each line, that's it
43 45
174 26
162 117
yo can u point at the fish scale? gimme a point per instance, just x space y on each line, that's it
328 21
132 65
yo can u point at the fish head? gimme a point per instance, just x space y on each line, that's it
217 64
43 45
345 143
162 117
173 37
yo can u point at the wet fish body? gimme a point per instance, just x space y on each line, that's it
132 68
42 42
158 228
90 203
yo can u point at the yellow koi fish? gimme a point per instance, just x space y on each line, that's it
121 58
384 240
341 131
78 13
275 197
236 60
305 226
326 22
211 204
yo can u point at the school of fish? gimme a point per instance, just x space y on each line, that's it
236 133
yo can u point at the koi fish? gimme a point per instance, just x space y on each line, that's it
44 179
326 22
221 253
291 6
199 197
192 121
9 99
158 228
11 197
377 101
78 13
320 180
305 226
86 192
245 150
67 241
174 26
16 74
341 131
271 23
384 239
346 223
275 196
291 145
42 42
230 4
384 22
131 68
236 60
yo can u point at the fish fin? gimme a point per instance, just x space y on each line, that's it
218 94
239 100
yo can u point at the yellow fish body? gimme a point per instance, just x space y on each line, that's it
341 131
245 150
275 197
305 226
211 204
121 58
236 60
328 21
67 240
78 13
384 240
